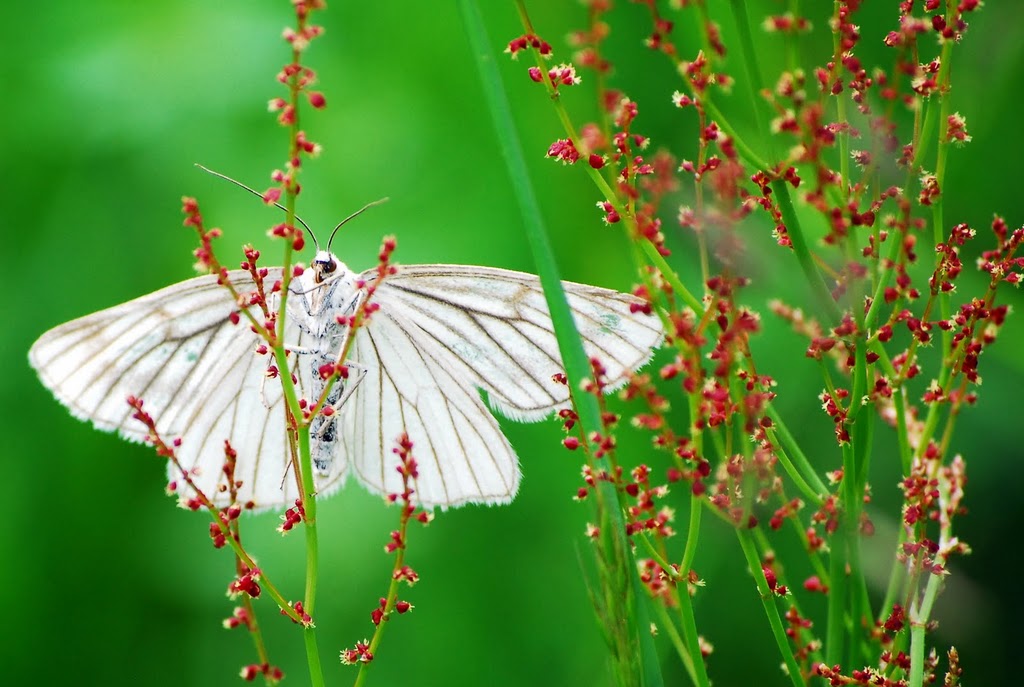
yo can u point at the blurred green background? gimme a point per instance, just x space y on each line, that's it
109 104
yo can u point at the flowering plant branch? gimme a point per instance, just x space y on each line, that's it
262 304
861 291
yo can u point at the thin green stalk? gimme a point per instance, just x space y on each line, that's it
305 462
917 647
689 622
849 515
255 631
753 70
316 675
857 417
813 555
855 464
794 474
668 625
924 140
835 629
938 225
859 611
312 559
763 544
897 576
746 152
672 278
692 535
919 614
771 610
820 293
802 465
689 650
862 435
309 508
645 541
843 140
641 651
312 545
389 606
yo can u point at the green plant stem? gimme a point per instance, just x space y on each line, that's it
656 556
918 621
658 260
770 608
746 152
316 677
917 647
389 605
749 55
820 293
938 225
312 562
305 462
794 474
835 629
689 622
692 535
668 625
813 554
896 577
850 497
255 631
634 643
803 472
855 471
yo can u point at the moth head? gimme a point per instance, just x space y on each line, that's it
325 266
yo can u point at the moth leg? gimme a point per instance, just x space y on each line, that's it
323 429
301 350
263 383
334 277
354 380
336 333
332 334
341 392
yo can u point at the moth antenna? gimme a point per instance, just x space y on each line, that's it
353 216
277 205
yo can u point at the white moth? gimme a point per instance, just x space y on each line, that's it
441 333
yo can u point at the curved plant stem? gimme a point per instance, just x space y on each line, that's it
803 472
822 298
770 608
305 463
633 645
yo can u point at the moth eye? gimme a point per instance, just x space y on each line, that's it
324 268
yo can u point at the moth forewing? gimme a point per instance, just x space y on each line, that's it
496 326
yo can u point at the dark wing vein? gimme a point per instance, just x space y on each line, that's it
495 329
196 372
461 453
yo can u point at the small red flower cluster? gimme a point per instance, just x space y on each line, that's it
272 673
